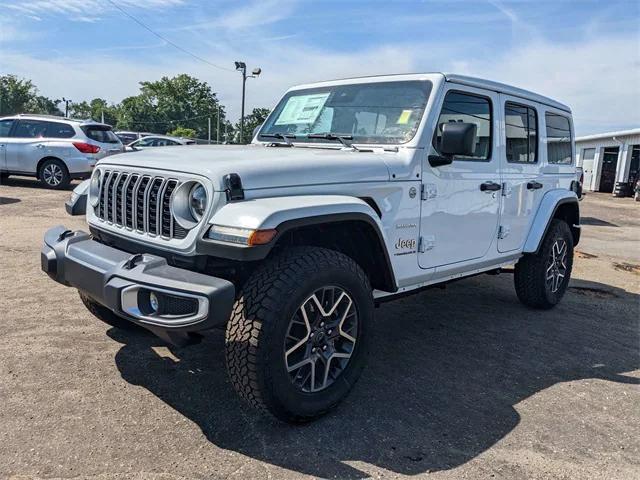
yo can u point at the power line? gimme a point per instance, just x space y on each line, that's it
176 46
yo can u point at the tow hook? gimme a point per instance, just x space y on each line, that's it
65 234
133 261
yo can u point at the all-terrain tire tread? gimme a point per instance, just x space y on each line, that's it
246 346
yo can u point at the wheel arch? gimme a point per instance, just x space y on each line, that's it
346 224
556 204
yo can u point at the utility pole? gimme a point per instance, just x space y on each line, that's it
218 126
225 131
66 101
209 121
102 117
242 68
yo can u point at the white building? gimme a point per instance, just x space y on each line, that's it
608 159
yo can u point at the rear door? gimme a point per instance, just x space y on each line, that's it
460 210
522 183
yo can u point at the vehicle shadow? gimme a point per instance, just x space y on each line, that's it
445 371
31 182
8 200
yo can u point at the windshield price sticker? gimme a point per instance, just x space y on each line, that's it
303 109
403 119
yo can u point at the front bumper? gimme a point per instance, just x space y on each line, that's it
121 282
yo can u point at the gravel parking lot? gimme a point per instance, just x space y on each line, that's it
463 382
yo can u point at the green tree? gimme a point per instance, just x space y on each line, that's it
94 110
181 101
21 96
251 122
183 132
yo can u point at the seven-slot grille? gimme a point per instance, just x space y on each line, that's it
138 202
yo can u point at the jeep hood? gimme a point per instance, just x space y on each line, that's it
260 166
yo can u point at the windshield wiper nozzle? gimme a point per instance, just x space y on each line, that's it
280 136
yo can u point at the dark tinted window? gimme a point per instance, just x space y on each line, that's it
558 139
60 130
100 133
5 126
467 108
521 124
127 138
30 129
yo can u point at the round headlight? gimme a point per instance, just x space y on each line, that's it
197 201
94 188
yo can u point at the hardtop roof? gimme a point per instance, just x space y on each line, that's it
449 77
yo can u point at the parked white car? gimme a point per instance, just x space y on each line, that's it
151 141
53 149
354 192
127 137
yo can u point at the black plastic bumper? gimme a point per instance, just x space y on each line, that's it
102 272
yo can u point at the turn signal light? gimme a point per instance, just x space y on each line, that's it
261 237
86 147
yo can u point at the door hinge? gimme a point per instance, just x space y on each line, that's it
504 231
506 189
428 191
426 243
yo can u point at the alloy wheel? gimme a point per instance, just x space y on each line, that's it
556 266
52 175
320 339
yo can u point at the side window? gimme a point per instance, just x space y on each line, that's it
521 124
5 127
30 129
60 130
468 108
558 139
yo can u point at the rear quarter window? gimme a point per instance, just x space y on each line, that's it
100 133
60 130
558 139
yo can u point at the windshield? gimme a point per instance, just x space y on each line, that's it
375 113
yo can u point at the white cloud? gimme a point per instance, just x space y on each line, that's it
598 77
78 9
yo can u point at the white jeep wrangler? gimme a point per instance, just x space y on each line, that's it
353 192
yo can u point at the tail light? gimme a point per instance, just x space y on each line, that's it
86 147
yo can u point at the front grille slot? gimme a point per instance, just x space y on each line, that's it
139 202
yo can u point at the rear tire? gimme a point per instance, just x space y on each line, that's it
54 174
3 178
541 279
104 314
272 347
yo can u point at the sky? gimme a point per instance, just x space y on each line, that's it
581 52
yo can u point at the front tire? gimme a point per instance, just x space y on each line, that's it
104 314
542 279
296 342
54 174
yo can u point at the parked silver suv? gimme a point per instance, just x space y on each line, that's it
53 149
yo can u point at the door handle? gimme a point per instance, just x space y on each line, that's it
490 187
534 185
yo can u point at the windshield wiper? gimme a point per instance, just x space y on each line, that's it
343 139
286 137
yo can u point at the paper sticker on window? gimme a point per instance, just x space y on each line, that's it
303 109
403 119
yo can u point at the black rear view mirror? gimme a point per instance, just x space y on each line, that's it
458 138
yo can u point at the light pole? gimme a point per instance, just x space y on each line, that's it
242 68
66 101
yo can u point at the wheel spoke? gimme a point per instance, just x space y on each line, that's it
304 339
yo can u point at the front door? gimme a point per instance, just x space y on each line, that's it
522 182
27 145
5 128
461 200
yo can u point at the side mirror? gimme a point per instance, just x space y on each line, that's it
457 139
